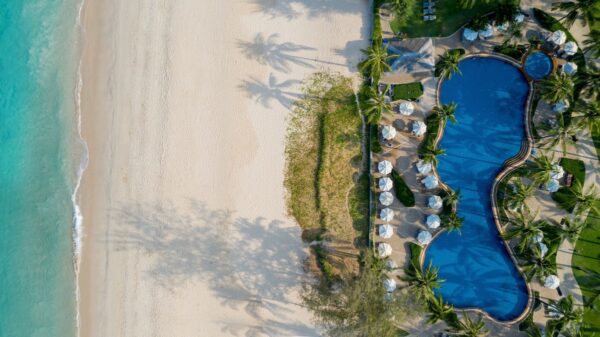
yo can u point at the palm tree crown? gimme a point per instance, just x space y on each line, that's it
536 264
525 228
583 201
470 328
515 199
452 221
541 168
448 63
445 112
571 227
430 153
376 61
569 318
587 114
577 8
438 310
375 106
592 44
588 80
423 282
564 134
557 87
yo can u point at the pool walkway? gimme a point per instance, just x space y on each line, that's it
402 153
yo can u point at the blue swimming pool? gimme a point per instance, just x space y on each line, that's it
538 65
491 97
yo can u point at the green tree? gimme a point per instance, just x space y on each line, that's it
448 63
588 81
469 328
525 228
564 134
569 318
452 221
587 114
438 310
506 11
452 197
421 282
515 198
583 201
592 44
375 106
376 61
430 153
570 228
446 112
557 87
584 9
540 168
538 265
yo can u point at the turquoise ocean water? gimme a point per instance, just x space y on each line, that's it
41 155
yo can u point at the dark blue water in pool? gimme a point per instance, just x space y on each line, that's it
538 65
491 97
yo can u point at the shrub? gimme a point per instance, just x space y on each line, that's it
408 91
415 254
374 139
433 128
403 192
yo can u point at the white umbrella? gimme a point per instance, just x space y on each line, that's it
384 250
503 27
552 185
487 32
433 221
543 248
386 214
435 202
430 182
569 68
551 282
385 184
384 167
424 237
570 48
389 285
558 37
557 172
406 108
388 132
386 198
385 231
538 237
519 18
469 34
391 264
423 167
419 128
561 106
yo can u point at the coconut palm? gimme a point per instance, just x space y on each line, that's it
588 81
570 228
423 282
515 198
564 134
446 112
478 23
568 318
375 106
376 60
438 310
469 328
429 154
592 44
514 33
583 201
448 63
584 9
525 228
587 114
452 221
557 87
452 197
540 168
538 265
506 11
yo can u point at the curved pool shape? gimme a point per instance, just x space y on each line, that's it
491 97
538 65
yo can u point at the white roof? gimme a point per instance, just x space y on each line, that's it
557 172
519 18
384 167
423 167
419 128
433 221
386 198
389 285
558 37
488 31
424 237
570 48
561 106
386 214
570 68
385 184
384 249
430 182
434 202
469 34
406 108
552 185
388 132
385 231
552 282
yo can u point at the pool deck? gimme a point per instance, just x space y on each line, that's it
402 152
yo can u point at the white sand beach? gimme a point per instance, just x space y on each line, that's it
184 109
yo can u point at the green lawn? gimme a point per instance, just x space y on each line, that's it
450 17
408 91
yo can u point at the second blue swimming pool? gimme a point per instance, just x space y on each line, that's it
491 96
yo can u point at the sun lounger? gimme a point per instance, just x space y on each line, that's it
429 11
429 17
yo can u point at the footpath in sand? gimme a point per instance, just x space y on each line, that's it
184 111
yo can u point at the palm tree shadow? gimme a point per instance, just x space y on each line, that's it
248 264
280 56
264 93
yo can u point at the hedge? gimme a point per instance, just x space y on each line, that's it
408 91
415 254
403 192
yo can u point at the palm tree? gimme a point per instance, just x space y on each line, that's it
506 11
585 9
557 87
569 318
563 135
515 199
592 44
469 328
514 33
587 114
438 310
570 228
430 153
445 112
375 106
583 201
376 62
452 221
539 265
540 168
448 63
452 197
423 283
525 228
588 81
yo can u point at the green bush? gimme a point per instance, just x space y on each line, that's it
374 139
433 128
408 91
403 192
575 167
415 254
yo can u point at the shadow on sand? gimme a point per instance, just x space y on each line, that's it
265 93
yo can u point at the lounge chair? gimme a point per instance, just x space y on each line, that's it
429 11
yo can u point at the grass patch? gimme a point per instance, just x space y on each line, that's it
408 91
450 17
403 192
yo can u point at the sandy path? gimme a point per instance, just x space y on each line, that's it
184 106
